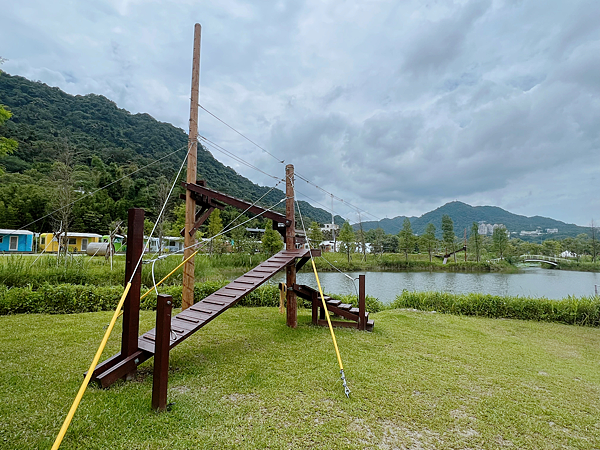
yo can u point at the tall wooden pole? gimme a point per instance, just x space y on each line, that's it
131 307
290 244
187 295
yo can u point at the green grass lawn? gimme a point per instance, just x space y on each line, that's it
420 380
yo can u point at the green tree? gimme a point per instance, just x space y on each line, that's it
361 242
7 146
347 238
428 240
390 243
406 238
240 239
179 223
215 226
271 241
594 240
581 244
550 247
500 241
315 236
448 236
475 239
375 237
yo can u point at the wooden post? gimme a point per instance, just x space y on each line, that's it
160 381
290 244
315 308
131 307
187 295
362 323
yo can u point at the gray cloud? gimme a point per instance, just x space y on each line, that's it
396 107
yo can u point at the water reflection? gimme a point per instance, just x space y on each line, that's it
532 281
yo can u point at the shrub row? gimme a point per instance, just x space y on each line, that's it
571 310
69 298
58 299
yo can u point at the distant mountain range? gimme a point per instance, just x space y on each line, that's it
464 215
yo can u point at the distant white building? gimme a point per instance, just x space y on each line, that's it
487 228
330 227
551 230
531 233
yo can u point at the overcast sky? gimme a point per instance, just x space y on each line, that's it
395 106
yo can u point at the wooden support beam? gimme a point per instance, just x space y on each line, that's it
187 294
124 367
202 218
131 307
160 381
290 244
211 196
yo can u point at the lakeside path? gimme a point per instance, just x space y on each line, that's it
420 380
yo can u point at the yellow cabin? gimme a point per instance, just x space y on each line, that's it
77 242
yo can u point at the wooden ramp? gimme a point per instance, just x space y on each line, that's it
196 316
187 322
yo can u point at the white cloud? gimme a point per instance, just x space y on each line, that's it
396 107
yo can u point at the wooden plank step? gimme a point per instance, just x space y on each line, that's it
354 310
182 324
214 302
187 318
333 302
198 315
370 325
198 308
345 306
223 294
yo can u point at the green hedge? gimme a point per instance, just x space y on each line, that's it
59 299
69 298
570 310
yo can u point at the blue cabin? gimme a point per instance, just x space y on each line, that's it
16 241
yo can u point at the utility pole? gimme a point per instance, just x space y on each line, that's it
290 244
332 224
187 295
465 245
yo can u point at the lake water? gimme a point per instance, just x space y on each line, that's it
531 282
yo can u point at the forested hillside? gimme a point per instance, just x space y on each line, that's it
464 215
69 146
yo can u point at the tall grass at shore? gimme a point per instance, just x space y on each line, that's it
571 310
397 262
28 270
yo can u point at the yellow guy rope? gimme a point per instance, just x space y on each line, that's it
86 381
337 351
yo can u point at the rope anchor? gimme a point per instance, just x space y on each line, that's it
346 388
